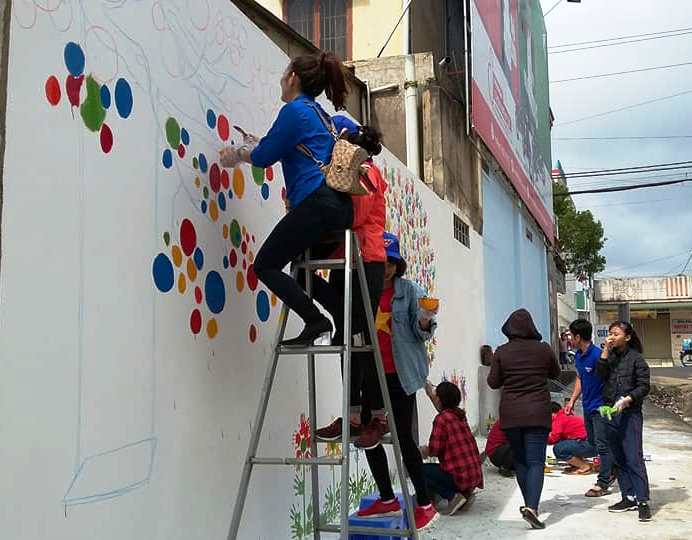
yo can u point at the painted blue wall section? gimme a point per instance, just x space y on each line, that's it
516 274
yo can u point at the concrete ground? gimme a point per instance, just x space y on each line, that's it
569 515
680 372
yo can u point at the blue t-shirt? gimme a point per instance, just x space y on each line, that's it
591 384
298 123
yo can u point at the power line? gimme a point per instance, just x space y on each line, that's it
685 267
552 8
629 203
618 38
640 104
634 138
647 262
599 183
615 73
622 188
631 168
659 169
618 43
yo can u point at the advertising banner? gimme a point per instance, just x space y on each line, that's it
509 97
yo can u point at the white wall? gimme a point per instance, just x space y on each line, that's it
118 420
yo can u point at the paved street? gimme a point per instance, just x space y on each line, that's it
569 515
684 373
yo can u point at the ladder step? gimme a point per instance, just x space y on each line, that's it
322 349
296 461
323 264
387 439
367 531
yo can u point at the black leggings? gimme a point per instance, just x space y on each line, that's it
364 385
324 211
403 406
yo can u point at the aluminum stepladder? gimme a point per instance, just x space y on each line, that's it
351 257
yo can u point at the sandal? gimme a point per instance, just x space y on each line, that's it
596 491
582 472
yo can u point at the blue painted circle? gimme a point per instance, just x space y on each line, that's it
184 136
105 97
225 261
203 163
265 191
211 119
230 194
199 258
167 158
204 207
222 201
74 59
263 306
123 98
162 270
215 292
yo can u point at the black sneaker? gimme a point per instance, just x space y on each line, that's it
532 519
644 511
625 505
310 333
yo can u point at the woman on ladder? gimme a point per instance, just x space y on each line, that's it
314 208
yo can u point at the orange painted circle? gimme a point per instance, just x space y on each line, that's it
182 284
191 270
177 255
238 183
225 230
212 328
213 211
239 281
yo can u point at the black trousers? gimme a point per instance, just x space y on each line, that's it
364 386
324 211
403 406
503 457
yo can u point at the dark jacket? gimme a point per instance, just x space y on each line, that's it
624 373
522 368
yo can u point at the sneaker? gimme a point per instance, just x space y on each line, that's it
454 504
644 511
425 515
372 434
381 509
310 333
332 432
624 505
532 519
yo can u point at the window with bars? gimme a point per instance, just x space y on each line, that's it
461 231
324 22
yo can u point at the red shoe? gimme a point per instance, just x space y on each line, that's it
332 432
425 515
381 509
372 434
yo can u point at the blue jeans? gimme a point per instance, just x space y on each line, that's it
570 448
625 440
597 431
439 481
528 446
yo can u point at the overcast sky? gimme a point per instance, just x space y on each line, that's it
649 231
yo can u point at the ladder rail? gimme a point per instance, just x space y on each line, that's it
379 365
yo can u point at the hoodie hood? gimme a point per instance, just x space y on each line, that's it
520 325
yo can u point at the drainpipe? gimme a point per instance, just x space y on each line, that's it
410 98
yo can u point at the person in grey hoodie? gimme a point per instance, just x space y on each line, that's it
522 368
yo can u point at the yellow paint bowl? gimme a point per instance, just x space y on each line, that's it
428 303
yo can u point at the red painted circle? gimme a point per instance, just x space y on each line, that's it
196 321
222 127
53 90
269 173
251 277
243 247
225 179
198 295
253 333
181 151
188 237
233 258
106 137
214 178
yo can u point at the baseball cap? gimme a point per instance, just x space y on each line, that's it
391 246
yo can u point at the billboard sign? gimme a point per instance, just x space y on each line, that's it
509 97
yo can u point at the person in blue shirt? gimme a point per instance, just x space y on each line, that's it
314 208
590 387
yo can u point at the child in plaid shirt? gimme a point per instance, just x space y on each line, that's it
451 441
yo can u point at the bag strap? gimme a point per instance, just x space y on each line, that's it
331 128
306 151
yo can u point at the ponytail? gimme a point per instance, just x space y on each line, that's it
367 137
634 342
321 73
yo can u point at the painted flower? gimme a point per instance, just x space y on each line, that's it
301 438
333 449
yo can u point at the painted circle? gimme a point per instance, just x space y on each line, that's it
162 269
269 173
202 163
224 230
172 129
177 256
265 191
167 238
167 158
203 207
195 321
244 264
181 151
238 183
236 237
243 247
195 163
191 270
105 97
53 90
182 283
198 295
274 300
212 328
263 306
211 119
213 211
258 175
251 278
199 258
239 281
214 292
222 201
253 333
222 127
233 258
225 261
106 138
205 192
225 180
184 136
215 177
123 98
74 59
188 237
